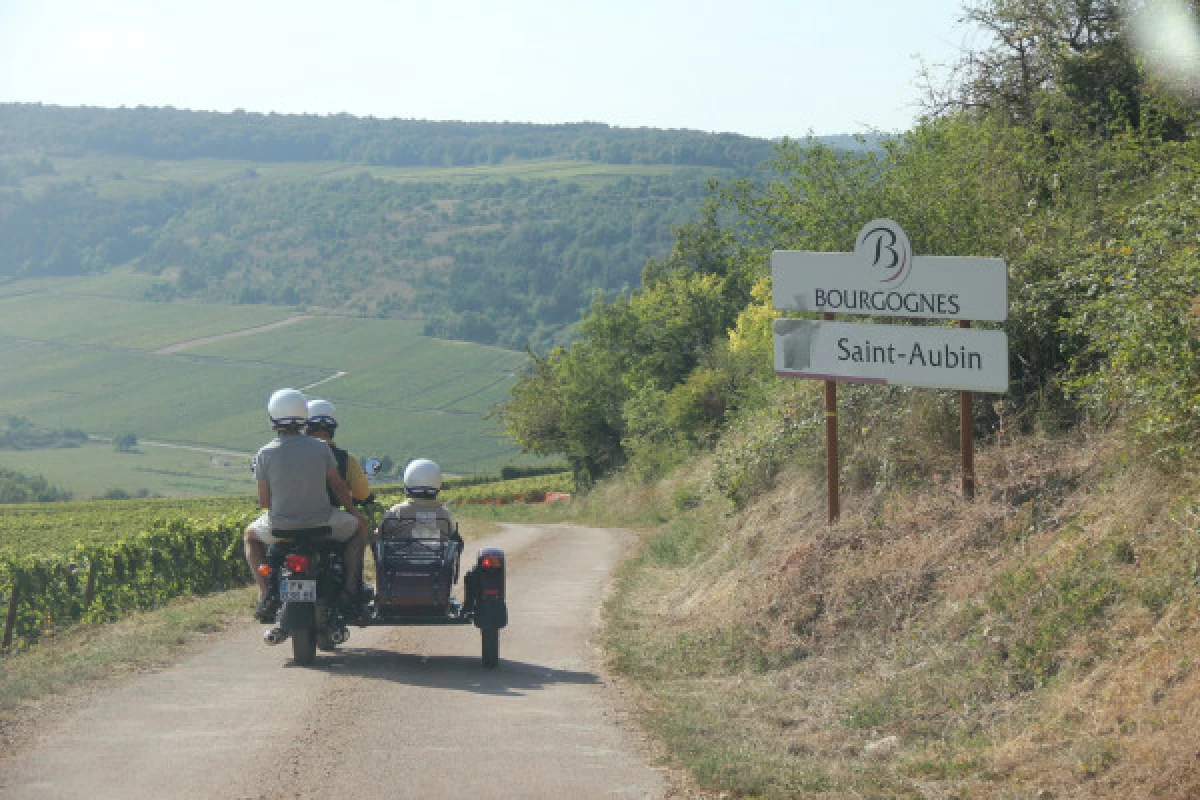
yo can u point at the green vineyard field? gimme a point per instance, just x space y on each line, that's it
53 529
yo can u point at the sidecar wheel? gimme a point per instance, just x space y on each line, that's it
491 646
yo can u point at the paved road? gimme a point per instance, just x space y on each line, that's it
397 713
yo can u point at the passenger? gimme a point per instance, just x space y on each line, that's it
293 473
421 514
322 423
422 482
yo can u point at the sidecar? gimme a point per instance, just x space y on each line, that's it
417 564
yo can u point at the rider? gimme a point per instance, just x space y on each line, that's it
293 471
322 423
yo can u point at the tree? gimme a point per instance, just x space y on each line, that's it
16 487
125 443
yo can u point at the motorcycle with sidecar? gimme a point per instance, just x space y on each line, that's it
417 565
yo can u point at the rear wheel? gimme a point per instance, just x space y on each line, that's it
491 646
304 646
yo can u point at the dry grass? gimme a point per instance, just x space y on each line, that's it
1037 640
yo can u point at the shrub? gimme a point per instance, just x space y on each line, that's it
760 442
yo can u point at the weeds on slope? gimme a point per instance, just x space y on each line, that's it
1036 640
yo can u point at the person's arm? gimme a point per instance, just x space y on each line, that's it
343 495
264 494
360 487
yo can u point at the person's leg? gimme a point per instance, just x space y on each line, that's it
257 538
345 529
256 553
354 558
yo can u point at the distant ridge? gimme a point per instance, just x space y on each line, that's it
171 133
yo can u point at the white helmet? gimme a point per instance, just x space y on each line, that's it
287 408
321 415
422 478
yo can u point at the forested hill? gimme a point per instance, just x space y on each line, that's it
495 233
174 134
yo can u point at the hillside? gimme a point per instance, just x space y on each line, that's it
494 233
137 240
1038 642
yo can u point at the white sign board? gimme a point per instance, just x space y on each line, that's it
883 278
907 355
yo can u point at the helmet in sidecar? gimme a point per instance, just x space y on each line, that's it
422 478
287 409
321 416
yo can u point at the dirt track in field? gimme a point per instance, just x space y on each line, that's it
179 347
396 713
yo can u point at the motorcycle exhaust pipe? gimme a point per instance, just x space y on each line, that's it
340 635
273 636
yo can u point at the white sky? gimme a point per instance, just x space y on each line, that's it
759 67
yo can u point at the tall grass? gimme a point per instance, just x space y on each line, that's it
1036 640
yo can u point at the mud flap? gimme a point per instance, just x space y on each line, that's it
298 616
491 613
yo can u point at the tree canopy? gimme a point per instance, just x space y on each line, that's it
1054 145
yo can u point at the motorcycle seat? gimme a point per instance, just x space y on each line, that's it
303 534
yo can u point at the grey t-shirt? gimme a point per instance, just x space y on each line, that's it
296 467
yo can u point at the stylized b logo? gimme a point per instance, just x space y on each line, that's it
884 245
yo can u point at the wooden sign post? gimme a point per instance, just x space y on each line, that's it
832 468
966 436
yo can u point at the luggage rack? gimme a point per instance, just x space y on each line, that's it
416 568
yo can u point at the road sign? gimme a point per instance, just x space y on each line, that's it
883 278
906 355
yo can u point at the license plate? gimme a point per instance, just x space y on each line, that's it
291 591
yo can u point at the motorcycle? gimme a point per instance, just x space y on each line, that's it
307 573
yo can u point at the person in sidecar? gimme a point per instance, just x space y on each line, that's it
322 424
422 482
293 472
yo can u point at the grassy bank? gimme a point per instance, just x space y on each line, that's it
1037 642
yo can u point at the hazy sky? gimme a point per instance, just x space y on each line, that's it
760 67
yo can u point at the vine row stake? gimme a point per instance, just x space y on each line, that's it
89 593
11 621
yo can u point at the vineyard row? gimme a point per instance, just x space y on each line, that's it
96 583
